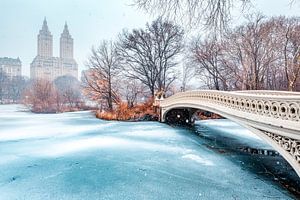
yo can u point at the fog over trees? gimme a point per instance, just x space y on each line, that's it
40 96
11 88
68 91
62 94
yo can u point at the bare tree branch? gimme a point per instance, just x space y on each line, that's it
100 80
213 14
149 55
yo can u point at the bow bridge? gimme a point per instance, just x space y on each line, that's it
273 115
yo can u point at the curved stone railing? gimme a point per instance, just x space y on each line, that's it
269 92
276 105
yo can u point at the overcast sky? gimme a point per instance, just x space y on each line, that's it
90 21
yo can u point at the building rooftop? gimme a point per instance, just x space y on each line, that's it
7 60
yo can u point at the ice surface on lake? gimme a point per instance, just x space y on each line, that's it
198 159
75 156
235 131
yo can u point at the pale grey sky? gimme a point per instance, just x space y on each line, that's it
90 21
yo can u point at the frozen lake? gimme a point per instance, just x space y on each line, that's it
75 156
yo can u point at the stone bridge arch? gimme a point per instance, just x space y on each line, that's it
272 115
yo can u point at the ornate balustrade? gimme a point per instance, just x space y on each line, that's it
274 105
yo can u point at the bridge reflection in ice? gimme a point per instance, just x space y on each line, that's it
75 156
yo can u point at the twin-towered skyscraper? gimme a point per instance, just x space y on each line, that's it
44 65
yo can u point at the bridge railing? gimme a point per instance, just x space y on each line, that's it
268 92
274 104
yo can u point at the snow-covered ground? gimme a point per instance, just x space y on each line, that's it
75 156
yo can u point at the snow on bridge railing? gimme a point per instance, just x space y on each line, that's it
269 92
275 104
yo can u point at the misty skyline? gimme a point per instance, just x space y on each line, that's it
89 22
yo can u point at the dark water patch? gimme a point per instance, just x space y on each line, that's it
74 164
258 151
32 166
14 178
267 164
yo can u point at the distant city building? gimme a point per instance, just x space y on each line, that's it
44 65
12 67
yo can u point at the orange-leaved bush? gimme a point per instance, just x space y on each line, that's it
123 112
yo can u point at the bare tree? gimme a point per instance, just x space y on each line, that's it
149 55
251 54
11 88
188 72
291 50
132 91
260 54
207 55
40 96
69 91
257 45
100 81
3 85
212 13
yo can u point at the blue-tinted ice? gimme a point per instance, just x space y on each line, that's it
75 156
